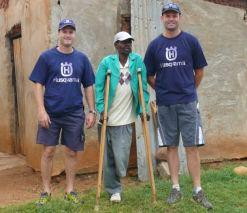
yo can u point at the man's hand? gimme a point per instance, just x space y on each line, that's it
147 116
101 118
90 120
44 119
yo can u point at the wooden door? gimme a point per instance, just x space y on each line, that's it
19 82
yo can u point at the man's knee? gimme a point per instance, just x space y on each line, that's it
70 153
49 152
172 149
192 150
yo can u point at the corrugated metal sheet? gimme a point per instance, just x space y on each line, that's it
145 25
145 22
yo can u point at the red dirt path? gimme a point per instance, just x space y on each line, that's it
22 184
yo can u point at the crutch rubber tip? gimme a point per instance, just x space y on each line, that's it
154 201
96 208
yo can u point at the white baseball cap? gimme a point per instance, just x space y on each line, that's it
121 36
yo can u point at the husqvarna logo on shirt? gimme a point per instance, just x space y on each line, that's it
66 69
171 53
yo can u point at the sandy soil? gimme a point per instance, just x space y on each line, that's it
21 184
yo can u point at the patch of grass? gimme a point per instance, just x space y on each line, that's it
226 190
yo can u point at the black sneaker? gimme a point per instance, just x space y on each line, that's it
44 199
202 199
174 196
73 198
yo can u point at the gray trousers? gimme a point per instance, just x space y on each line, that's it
116 158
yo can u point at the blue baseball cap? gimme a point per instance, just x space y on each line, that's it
65 23
171 7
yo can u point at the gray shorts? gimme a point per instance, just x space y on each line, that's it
71 127
177 119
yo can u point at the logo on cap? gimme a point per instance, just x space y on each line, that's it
66 22
171 7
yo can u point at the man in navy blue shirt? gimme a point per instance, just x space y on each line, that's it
61 71
175 62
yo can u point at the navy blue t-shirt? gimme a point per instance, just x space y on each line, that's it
173 61
62 75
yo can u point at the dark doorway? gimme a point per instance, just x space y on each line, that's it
14 36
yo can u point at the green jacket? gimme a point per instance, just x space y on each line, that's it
111 62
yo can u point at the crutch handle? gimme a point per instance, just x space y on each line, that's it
108 72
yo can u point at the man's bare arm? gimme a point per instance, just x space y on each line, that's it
151 81
43 117
198 76
89 94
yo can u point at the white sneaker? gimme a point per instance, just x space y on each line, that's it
116 198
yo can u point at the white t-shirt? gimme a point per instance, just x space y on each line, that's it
121 111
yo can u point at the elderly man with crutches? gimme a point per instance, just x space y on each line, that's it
123 108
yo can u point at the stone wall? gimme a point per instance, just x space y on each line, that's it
34 38
96 22
220 29
7 134
222 93
222 32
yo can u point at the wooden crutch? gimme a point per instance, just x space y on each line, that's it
146 135
102 139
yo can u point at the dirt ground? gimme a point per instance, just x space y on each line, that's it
21 184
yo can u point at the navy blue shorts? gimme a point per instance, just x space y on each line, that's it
71 128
